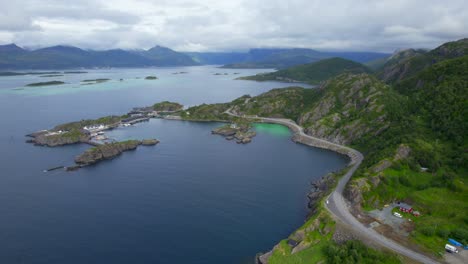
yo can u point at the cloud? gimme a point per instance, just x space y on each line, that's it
218 25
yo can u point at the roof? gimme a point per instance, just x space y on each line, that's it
405 206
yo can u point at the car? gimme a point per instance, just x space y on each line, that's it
397 215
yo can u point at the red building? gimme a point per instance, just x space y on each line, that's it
406 208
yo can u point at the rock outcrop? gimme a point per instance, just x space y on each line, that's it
241 133
319 189
149 142
110 151
106 151
351 106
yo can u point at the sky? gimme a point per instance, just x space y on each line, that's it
234 25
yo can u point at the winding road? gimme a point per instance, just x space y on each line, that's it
335 203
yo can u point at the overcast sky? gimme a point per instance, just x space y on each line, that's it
234 25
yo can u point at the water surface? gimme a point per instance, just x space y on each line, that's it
193 198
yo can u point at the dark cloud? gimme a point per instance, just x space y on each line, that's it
382 25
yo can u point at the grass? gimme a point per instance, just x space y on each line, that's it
443 210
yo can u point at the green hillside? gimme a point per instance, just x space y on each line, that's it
413 136
408 63
312 73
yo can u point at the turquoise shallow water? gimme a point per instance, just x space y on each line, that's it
193 198
273 129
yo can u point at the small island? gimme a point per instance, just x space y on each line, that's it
75 72
45 83
96 80
151 78
25 73
108 151
51 75
241 132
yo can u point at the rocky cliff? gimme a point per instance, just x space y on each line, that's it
407 63
350 106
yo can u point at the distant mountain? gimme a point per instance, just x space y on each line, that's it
167 57
312 72
58 57
12 48
284 58
407 63
218 58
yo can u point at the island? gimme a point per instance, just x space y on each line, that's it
51 75
75 72
108 151
45 83
100 80
151 78
26 73
92 132
242 133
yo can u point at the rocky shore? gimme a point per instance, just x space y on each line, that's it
57 138
241 133
110 151
319 189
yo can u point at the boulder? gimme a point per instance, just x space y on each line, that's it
149 142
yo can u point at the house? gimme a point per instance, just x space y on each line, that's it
405 208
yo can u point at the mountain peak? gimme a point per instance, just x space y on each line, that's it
159 48
10 48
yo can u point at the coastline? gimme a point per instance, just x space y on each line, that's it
335 203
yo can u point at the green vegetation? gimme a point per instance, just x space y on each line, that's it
413 136
432 123
409 63
167 106
285 102
107 120
151 78
312 73
205 112
355 252
45 83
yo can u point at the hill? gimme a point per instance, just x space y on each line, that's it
284 58
412 134
163 56
407 63
62 57
313 72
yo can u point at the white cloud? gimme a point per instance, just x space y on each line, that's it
217 25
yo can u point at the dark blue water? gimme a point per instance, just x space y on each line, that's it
194 198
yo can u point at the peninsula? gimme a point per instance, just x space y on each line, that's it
92 132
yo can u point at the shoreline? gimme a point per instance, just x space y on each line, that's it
335 203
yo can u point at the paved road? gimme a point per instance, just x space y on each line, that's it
335 203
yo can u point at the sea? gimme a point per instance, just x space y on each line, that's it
193 198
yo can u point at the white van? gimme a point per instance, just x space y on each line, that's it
451 248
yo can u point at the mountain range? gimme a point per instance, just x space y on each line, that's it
62 57
59 57
279 58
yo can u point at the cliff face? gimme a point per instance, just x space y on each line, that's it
351 106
